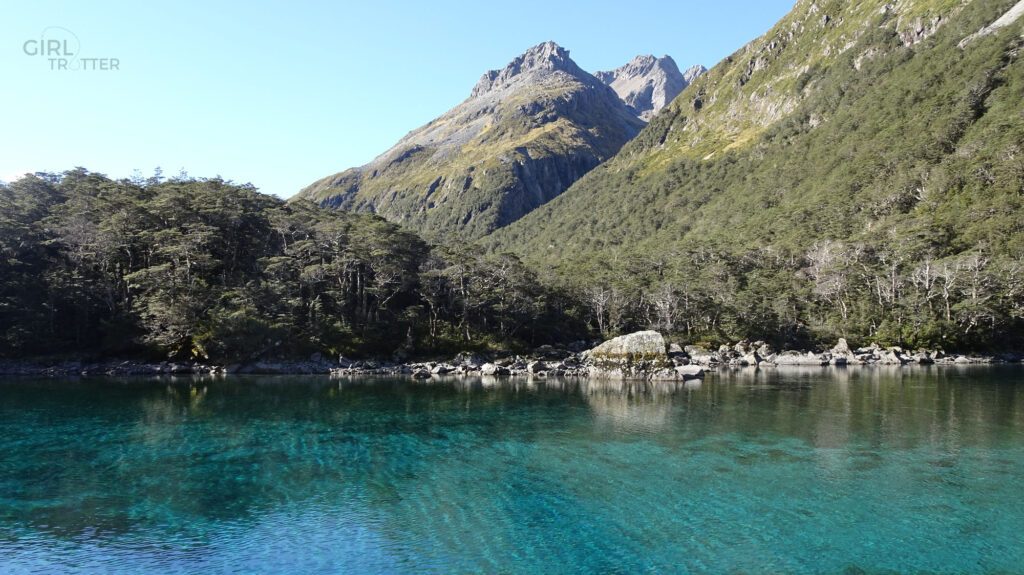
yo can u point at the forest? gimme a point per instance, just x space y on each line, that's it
203 269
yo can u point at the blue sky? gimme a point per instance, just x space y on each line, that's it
282 93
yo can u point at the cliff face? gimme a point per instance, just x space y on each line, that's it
525 134
647 84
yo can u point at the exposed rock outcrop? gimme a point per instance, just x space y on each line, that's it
647 84
1011 16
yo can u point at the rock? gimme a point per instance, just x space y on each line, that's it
442 369
750 359
690 371
421 374
536 367
700 355
675 350
551 353
494 369
469 358
842 348
639 355
343 362
922 357
892 356
797 358
639 345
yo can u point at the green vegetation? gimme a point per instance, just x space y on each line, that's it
886 205
203 269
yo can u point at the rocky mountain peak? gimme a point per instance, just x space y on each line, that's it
543 58
691 73
647 84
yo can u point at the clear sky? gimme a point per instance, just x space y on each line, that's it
282 93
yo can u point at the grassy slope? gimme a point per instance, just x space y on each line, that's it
920 146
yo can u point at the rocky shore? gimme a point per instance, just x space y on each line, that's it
642 355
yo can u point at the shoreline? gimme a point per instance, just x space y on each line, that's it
678 363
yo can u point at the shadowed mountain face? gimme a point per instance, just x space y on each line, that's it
647 84
525 134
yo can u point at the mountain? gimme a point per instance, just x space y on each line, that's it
647 84
858 170
525 134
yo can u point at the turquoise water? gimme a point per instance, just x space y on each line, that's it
781 471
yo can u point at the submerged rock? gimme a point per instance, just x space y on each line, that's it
690 371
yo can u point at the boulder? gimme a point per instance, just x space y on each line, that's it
842 348
494 369
642 344
536 367
923 357
892 356
690 371
797 358
700 355
639 355
750 359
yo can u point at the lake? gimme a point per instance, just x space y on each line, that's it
861 470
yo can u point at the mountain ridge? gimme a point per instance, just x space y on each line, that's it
525 133
647 84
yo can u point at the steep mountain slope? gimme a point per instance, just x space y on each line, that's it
647 84
523 136
854 155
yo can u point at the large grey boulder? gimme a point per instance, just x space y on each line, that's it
639 355
797 358
639 345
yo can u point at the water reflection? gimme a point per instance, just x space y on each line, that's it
423 471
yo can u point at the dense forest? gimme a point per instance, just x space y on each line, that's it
204 269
